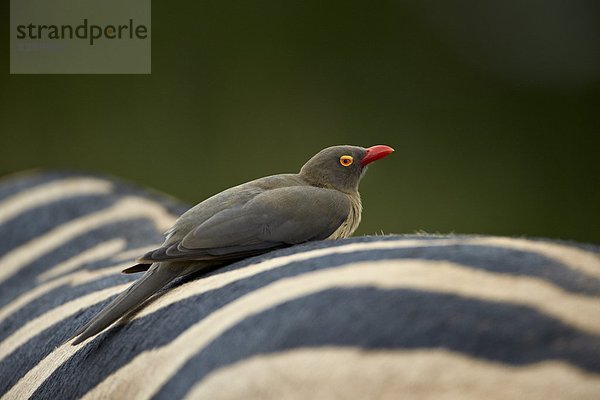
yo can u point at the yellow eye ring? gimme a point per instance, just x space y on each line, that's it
346 161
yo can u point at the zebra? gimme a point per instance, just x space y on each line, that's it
423 316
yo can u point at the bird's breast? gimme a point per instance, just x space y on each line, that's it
351 223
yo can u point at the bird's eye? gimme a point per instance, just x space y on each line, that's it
346 161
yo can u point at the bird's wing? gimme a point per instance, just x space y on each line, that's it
273 219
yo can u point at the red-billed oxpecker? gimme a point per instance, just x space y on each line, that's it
320 202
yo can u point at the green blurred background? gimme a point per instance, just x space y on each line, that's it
492 107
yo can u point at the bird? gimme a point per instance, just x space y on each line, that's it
318 203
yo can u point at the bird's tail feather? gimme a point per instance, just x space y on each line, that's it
136 268
154 280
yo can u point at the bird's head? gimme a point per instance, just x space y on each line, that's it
341 167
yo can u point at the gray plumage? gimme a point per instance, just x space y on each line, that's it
321 202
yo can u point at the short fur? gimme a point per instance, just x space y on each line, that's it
453 317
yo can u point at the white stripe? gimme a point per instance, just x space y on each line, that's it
126 209
98 252
220 280
577 259
43 194
328 373
37 375
54 316
73 279
150 370
29 383
32 380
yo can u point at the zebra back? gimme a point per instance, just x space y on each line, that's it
368 317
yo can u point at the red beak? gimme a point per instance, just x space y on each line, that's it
375 153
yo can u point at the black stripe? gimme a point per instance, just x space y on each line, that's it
105 354
297 268
498 260
136 232
491 258
54 299
38 221
16 183
376 319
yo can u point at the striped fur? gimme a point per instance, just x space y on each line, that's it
452 317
